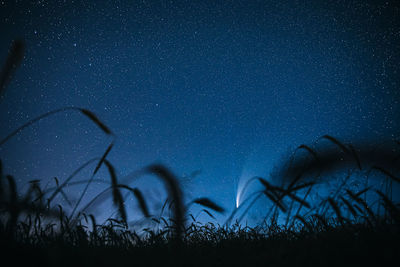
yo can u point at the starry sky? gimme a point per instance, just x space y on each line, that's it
217 91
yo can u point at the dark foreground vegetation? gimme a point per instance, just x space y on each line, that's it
207 245
352 225
355 245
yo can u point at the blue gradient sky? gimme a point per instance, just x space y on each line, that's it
225 87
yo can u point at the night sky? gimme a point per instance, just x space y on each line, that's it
220 89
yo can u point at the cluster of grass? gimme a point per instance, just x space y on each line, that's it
48 241
346 227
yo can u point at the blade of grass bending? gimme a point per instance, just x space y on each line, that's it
355 155
163 207
336 209
275 193
155 220
301 205
299 200
96 198
101 161
13 204
99 198
165 221
94 225
117 197
29 123
349 206
175 192
363 203
12 188
96 120
276 201
1 180
14 59
385 172
70 178
79 183
358 194
266 184
250 205
339 188
294 181
336 142
32 187
207 212
390 206
310 150
91 179
65 197
209 204
191 216
142 203
89 114
302 186
139 197
289 213
342 185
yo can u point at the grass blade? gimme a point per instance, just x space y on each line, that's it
336 142
209 204
139 197
117 196
385 172
96 120
175 193
14 59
